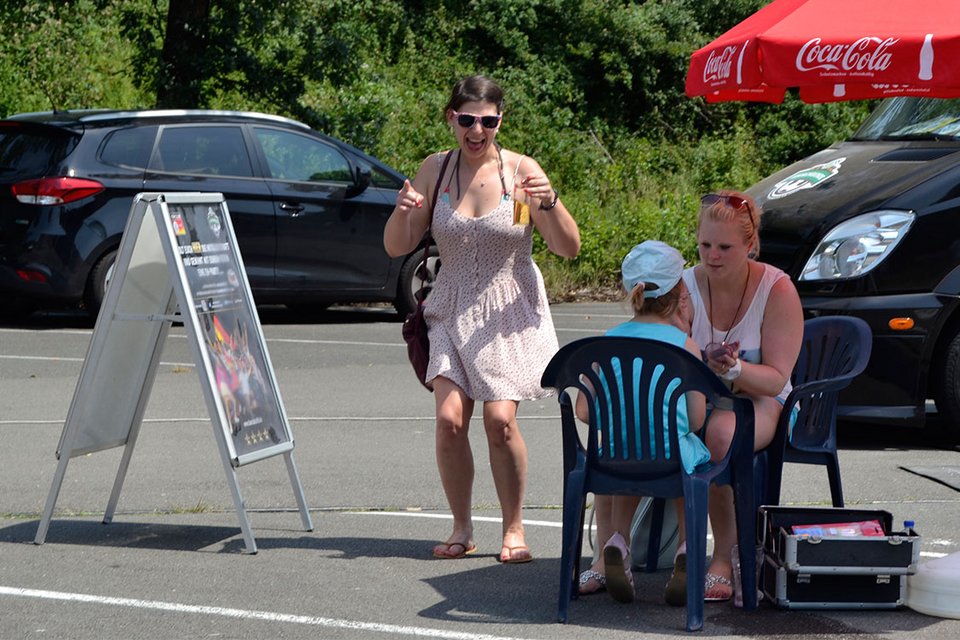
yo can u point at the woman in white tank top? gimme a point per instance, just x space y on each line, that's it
753 309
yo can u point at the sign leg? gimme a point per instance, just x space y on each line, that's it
298 491
251 544
52 499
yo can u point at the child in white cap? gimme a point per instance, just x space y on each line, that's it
652 277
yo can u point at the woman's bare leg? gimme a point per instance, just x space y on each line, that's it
508 462
455 463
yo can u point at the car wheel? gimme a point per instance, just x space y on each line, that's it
97 283
947 391
413 275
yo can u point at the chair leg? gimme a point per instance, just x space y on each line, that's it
695 526
656 528
833 473
574 504
745 507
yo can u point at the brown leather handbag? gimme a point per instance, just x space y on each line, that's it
414 326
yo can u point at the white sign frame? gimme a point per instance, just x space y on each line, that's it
161 266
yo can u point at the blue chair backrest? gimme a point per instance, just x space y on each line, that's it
834 348
635 393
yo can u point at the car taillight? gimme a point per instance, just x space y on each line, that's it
60 190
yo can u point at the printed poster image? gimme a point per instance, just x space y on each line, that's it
231 336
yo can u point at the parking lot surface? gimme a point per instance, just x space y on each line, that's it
172 562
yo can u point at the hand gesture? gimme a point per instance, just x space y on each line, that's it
408 198
537 185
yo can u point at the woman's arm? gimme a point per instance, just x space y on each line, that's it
556 225
411 215
781 336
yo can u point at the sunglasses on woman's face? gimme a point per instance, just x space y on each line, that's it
467 120
713 198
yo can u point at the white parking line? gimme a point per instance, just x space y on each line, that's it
269 616
65 359
445 516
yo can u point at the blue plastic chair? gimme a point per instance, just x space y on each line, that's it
625 449
835 350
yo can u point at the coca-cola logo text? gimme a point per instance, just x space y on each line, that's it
718 64
864 55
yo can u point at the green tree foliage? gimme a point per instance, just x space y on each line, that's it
59 55
594 90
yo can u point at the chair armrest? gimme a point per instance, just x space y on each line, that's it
572 445
817 386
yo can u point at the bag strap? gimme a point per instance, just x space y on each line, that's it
433 203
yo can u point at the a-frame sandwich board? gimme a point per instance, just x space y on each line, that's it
178 251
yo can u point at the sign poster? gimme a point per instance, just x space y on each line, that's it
230 332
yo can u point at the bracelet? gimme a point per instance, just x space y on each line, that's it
733 372
556 197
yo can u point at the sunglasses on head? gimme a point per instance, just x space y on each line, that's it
734 201
467 120
713 198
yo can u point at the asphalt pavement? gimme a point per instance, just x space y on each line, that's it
172 562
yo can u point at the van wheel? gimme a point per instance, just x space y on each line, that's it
413 275
100 276
947 391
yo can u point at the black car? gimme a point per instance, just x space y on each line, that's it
308 210
870 227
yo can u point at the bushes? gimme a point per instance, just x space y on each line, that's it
594 92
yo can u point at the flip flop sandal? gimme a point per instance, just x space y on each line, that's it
467 548
676 592
598 579
713 580
617 567
513 550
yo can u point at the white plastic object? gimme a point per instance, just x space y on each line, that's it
935 588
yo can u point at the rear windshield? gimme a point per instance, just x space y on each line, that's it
913 119
32 151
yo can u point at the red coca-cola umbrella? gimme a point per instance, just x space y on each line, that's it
834 50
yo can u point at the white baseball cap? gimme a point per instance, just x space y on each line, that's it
655 264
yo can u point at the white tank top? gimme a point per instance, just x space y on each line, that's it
747 331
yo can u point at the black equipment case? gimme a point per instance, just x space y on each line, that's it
834 572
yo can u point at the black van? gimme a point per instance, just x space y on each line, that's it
870 227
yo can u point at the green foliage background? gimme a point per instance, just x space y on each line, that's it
594 92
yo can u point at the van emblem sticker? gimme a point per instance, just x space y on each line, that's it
806 178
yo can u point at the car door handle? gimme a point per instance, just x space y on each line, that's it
292 208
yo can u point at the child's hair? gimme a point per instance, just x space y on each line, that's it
664 306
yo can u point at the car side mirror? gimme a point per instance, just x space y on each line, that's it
360 184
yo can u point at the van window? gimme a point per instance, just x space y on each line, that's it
206 150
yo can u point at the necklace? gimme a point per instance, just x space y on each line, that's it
503 184
735 314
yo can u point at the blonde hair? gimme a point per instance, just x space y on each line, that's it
746 215
664 306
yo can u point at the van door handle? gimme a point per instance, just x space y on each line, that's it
293 209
